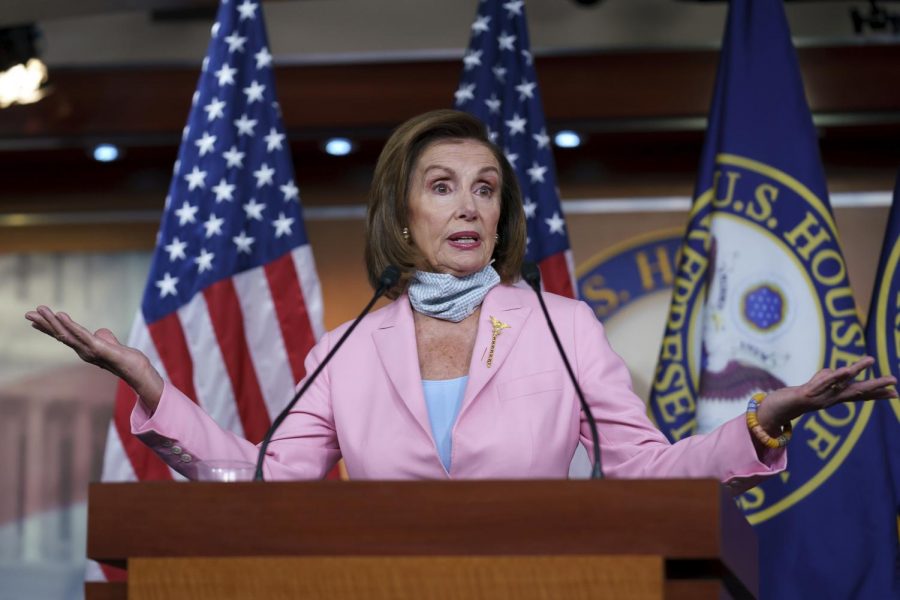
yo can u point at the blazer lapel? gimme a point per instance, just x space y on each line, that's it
503 305
395 341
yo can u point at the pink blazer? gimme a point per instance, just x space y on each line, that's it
520 417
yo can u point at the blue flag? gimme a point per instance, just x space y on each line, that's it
499 86
883 332
762 300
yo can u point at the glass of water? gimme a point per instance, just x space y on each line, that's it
225 470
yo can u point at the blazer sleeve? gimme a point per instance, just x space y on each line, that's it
630 444
305 446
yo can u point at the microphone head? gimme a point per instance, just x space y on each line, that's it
531 274
389 277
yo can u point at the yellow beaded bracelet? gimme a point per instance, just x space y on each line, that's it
756 429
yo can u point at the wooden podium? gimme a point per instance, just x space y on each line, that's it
422 540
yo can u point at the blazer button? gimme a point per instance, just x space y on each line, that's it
186 458
168 443
176 449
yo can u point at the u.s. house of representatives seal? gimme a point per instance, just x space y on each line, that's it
761 300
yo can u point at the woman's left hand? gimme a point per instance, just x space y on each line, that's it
826 388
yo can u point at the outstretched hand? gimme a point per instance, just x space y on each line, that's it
101 348
826 388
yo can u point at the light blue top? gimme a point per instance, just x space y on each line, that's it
444 399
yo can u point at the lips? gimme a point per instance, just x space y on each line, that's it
465 240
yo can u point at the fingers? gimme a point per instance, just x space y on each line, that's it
38 322
107 336
73 330
871 389
48 321
63 328
836 381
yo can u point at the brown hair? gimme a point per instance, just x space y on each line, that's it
388 209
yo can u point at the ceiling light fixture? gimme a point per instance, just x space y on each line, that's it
23 77
338 146
567 139
106 152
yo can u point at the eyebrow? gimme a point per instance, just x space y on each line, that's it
491 169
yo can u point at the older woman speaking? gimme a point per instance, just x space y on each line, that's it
458 377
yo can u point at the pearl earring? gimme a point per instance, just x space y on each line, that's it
405 233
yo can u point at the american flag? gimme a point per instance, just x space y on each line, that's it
232 303
499 86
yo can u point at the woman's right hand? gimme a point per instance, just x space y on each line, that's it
101 348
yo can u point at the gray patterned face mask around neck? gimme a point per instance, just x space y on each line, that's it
450 298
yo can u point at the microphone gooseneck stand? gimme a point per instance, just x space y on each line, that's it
532 276
388 279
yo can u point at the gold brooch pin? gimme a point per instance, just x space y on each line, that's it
497 327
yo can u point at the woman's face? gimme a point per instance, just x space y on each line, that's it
454 205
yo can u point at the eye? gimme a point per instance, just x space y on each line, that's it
485 191
440 187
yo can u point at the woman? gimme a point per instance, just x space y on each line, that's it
458 376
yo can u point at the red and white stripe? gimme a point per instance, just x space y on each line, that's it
558 274
237 349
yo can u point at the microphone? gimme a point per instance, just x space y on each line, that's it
532 276
386 281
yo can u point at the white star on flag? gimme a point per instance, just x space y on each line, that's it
254 92
243 242
225 75
472 59
167 285
213 225
235 42
493 104
204 261
536 173
223 190
514 8
254 209
229 242
506 41
464 93
282 225
273 140
263 58
526 89
205 144
247 10
481 24
555 223
516 124
196 179
214 30
234 158
245 125
263 175
187 213
290 191
175 248
507 100
215 109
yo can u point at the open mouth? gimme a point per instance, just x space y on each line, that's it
465 239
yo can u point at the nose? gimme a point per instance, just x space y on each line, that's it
467 209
